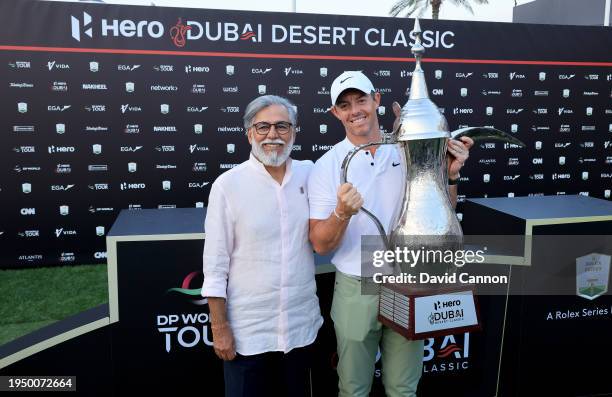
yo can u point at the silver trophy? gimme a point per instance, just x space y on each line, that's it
426 215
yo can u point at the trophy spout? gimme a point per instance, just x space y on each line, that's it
486 133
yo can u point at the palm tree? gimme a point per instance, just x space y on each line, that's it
412 6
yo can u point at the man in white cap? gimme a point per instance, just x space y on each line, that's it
336 224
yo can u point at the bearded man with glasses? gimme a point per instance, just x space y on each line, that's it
258 261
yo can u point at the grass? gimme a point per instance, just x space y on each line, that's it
33 298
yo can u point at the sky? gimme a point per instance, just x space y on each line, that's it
495 11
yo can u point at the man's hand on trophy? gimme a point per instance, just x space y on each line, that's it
349 201
223 341
397 111
457 153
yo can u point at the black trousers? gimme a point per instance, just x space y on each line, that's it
269 374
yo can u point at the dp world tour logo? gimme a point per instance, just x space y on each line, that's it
193 292
76 26
178 32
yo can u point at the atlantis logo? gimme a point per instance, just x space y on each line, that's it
193 294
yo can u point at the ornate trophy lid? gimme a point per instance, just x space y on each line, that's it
420 117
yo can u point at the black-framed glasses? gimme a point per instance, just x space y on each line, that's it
263 128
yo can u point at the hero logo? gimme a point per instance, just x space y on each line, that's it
560 176
76 26
130 148
196 69
463 111
115 27
132 186
448 356
61 149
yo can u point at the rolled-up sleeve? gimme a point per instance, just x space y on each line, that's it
321 192
218 243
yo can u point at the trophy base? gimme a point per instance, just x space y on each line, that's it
419 313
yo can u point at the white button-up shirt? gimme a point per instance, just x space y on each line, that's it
257 256
379 180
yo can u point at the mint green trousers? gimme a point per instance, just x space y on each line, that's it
359 336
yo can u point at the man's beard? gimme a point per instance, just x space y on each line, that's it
272 159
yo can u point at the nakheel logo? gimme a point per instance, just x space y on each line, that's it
76 26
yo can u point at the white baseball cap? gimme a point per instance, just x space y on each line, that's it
347 80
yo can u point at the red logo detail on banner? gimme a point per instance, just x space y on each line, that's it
177 32
448 350
247 35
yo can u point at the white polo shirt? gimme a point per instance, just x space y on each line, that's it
380 181
257 255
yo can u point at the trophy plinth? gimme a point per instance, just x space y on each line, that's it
419 313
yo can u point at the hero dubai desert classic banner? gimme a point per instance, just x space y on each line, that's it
107 107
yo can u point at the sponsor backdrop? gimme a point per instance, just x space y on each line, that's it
108 107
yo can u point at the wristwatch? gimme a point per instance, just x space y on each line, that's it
454 181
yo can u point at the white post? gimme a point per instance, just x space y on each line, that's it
607 13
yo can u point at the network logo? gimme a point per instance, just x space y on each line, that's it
76 26
195 293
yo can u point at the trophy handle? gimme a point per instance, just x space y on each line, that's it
486 133
343 180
